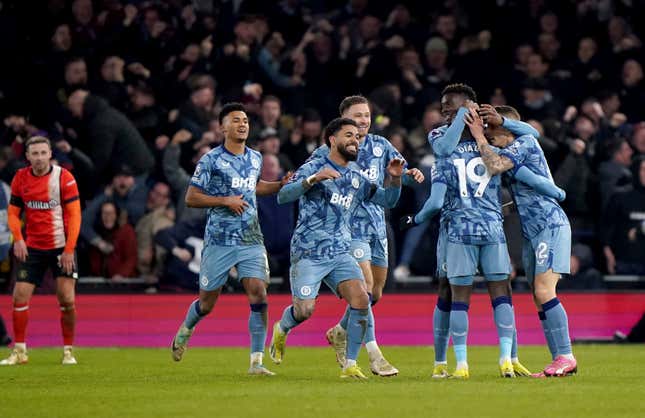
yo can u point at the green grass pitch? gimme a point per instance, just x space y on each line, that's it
213 383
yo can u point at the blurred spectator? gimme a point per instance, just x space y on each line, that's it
269 144
183 244
277 235
121 261
129 197
614 174
638 140
624 213
160 215
270 114
305 138
177 177
109 138
111 85
583 274
632 90
418 138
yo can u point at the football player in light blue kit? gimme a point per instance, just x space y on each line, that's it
545 227
226 181
330 190
369 238
456 99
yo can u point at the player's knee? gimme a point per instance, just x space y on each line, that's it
543 293
444 290
304 311
360 301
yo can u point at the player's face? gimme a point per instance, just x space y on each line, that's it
39 155
236 126
450 104
360 113
346 141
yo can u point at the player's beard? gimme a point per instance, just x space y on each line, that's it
346 154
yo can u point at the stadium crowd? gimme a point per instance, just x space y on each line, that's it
129 93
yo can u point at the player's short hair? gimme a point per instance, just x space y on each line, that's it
37 140
350 101
229 108
460 88
508 112
334 126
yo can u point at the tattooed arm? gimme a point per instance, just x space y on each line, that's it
495 164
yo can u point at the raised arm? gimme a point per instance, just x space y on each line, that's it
495 163
540 184
446 144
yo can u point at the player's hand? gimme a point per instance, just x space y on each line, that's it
285 179
406 222
236 204
490 116
416 174
395 167
326 174
20 250
475 124
67 262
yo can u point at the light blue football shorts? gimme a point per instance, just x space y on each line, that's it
463 260
306 275
550 249
249 260
373 250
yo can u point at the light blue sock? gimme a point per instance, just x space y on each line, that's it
344 319
459 330
547 334
194 315
356 329
258 326
288 320
441 330
505 323
558 324
514 346
370 334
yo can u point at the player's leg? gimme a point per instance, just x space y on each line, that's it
552 253
354 292
378 269
215 265
65 292
518 367
66 295
337 335
461 289
441 314
528 259
306 276
253 268
496 266
462 261
22 292
29 275
504 316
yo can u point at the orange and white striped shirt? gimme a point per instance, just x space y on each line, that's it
44 198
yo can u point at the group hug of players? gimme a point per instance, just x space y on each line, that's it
340 236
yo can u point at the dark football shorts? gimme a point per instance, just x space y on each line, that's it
39 261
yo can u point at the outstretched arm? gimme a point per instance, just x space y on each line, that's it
519 128
434 203
540 184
